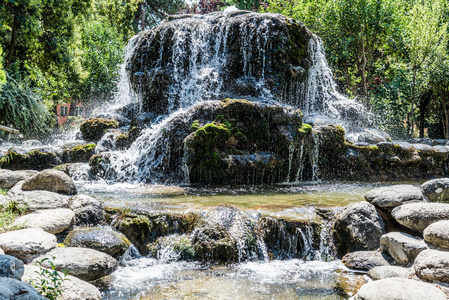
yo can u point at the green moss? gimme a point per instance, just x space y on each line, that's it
35 160
195 125
80 153
93 129
304 130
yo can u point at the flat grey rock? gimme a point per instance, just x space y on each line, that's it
389 197
383 272
27 243
366 260
86 264
433 265
399 289
437 235
71 289
417 216
402 247
50 220
11 267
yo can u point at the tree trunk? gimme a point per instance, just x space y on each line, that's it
15 26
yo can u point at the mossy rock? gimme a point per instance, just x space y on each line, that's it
37 159
79 154
181 245
125 139
94 128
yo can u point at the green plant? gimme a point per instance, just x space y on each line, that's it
49 282
3 192
8 213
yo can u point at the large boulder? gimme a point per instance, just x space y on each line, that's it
9 178
79 153
88 210
433 265
14 289
437 235
50 220
399 289
240 42
103 239
36 159
402 247
71 289
417 216
52 181
11 267
359 226
436 190
25 244
86 264
383 272
36 200
93 129
366 260
391 196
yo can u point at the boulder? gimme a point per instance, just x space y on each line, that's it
36 159
417 216
9 178
11 267
14 289
50 220
399 289
79 153
52 181
94 128
103 239
437 235
366 260
436 190
76 171
433 265
383 272
88 210
359 226
402 247
27 243
36 200
71 289
86 264
391 196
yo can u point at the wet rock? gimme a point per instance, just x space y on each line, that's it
383 272
423 148
25 244
180 248
391 196
437 235
2 252
359 226
15 289
36 200
79 153
125 139
366 260
94 128
86 264
76 171
36 159
417 216
436 190
103 239
399 288
11 267
50 220
88 210
402 247
9 178
71 289
52 181
433 265
31 143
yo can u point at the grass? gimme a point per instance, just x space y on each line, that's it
8 213
3 192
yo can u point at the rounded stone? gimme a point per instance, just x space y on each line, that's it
27 243
88 210
50 180
436 190
103 239
402 247
9 178
399 289
437 235
366 260
383 272
417 216
11 267
14 289
50 220
391 196
433 265
86 264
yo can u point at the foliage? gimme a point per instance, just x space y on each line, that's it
9 211
49 282
2 72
